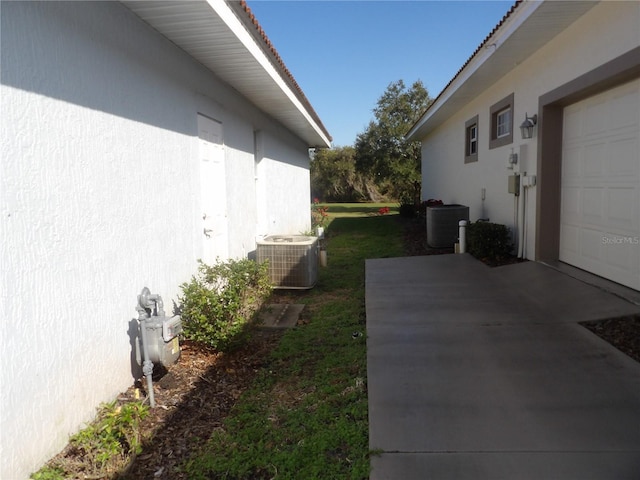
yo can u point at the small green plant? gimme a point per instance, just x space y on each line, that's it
489 241
104 446
115 433
49 473
221 300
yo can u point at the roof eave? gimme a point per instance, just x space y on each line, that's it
522 31
222 36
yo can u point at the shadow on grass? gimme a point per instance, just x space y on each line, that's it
366 225
364 208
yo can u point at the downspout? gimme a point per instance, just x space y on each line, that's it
521 214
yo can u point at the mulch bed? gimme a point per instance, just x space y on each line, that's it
623 333
415 238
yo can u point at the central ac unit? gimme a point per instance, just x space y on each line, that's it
293 260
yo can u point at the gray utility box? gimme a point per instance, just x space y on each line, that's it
513 185
442 224
162 338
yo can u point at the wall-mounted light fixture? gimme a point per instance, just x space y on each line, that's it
526 127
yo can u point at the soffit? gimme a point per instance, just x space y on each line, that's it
219 35
525 28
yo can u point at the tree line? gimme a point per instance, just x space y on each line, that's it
381 165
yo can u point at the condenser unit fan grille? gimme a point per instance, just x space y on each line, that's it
293 260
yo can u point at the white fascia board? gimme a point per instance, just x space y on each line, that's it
512 23
229 17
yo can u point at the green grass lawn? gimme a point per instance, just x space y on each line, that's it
306 414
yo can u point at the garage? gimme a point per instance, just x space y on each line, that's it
600 185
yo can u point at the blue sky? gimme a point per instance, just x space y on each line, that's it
344 54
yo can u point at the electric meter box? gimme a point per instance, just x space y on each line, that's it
514 184
162 338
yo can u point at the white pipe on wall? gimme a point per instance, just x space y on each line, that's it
521 219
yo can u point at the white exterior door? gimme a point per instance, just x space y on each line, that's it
600 211
213 191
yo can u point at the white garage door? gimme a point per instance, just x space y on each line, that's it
600 212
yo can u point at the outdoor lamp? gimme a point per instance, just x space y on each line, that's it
526 127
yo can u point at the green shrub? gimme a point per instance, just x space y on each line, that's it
488 241
221 300
407 210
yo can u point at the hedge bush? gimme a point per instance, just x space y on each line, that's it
489 241
221 300
407 210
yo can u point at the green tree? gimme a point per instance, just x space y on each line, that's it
334 177
382 156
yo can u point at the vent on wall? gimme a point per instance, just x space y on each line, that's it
293 260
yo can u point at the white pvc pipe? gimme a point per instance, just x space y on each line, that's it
462 235
521 219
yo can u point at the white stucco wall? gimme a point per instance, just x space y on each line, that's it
99 193
603 33
284 214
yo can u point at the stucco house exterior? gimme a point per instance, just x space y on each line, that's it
137 137
573 69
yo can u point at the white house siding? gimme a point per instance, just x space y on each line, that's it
286 186
600 35
99 193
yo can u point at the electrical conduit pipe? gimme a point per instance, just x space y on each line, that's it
521 219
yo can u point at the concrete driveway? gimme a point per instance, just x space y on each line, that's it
480 373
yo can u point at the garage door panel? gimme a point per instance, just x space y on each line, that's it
621 215
617 252
570 241
595 118
571 205
573 125
600 196
626 106
592 155
592 206
591 243
571 168
622 157
621 252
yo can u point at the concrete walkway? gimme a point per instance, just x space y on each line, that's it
480 373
